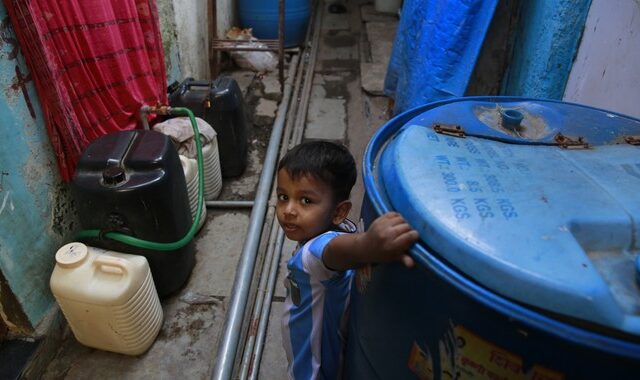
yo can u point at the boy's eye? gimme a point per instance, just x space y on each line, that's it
282 197
306 201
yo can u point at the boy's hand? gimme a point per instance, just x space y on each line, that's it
388 239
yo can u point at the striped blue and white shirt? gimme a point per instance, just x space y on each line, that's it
314 324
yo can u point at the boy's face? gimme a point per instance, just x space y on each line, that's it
305 207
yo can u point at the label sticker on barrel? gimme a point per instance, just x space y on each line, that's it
420 362
363 278
465 355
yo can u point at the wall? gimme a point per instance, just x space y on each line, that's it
605 73
35 210
225 16
496 51
545 44
169 40
185 34
191 19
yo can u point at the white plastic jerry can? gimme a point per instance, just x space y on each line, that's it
212 170
190 168
108 298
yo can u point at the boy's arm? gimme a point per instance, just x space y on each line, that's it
387 239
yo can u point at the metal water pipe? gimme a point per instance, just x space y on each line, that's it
296 138
228 345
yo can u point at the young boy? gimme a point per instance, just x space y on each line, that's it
314 181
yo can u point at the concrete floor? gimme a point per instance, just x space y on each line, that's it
342 107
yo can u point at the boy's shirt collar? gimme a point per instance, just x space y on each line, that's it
347 226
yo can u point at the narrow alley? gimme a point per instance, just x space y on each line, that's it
503 134
339 105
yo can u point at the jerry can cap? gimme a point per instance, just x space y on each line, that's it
113 175
71 254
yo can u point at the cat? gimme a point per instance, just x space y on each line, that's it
260 61
236 33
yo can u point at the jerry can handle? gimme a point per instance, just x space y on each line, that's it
198 83
111 265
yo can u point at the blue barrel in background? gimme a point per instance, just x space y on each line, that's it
528 215
262 16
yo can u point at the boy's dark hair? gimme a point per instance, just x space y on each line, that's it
329 162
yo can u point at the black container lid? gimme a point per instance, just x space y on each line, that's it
113 175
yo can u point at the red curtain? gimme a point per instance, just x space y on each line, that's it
94 64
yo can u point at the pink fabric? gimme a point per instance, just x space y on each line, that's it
94 63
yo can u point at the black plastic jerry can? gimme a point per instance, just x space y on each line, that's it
219 103
132 182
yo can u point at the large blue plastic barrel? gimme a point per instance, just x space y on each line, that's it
262 16
527 212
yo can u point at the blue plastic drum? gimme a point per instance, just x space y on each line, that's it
528 213
262 16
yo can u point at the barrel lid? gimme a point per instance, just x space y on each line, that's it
544 212
72 254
